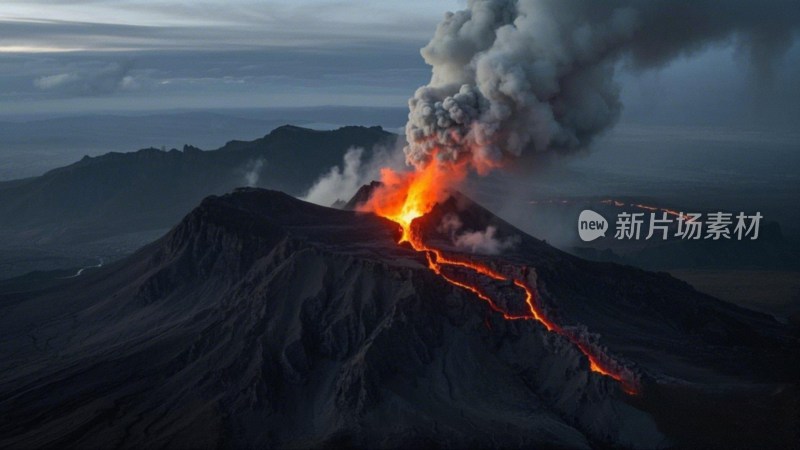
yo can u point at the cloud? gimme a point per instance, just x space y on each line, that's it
90 81
213 79
54 81
208 25
289 53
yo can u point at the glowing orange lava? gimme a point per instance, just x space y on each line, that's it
620 204
404 197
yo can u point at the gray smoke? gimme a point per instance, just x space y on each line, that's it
521 77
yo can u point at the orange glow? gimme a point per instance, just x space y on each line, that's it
620 204
404 197
670 212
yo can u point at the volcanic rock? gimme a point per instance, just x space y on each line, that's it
264 321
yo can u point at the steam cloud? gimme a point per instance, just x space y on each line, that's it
521 77
342 182
484 242
253 173
339 183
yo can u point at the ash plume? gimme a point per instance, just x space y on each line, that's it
515 78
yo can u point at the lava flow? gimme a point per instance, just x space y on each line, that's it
404 197
620 204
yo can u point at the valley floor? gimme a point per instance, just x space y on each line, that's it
775 292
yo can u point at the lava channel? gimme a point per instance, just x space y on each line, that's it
436 260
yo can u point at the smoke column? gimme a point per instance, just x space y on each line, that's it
516 78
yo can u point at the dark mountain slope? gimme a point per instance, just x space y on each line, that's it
264 321
641 311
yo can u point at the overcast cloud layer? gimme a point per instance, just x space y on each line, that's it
87 55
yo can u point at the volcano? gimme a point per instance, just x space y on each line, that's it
264 321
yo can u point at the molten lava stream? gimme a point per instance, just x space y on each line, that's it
436 260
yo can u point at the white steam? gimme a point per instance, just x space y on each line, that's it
520 77
339 183
342 182
253 172
482 242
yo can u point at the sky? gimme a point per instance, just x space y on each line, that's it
140 54
97 55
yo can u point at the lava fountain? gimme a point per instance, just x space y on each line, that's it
406 196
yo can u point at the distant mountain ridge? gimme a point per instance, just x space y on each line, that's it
118 193
31 144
